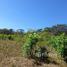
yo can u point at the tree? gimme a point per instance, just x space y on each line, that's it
20 32
57 29
39 30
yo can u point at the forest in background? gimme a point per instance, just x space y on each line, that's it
56 29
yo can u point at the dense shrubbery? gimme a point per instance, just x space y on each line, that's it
35 46
57 29
60 44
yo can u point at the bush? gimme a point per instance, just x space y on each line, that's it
30 43
32 50
10 37
60 43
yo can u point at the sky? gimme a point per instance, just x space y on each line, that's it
35 14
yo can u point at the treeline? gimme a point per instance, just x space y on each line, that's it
10 31
55 30
11 34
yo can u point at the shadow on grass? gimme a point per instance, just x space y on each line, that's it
40 61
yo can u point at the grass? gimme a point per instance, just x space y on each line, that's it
9 49
11 56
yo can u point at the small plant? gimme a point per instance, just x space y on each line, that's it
10 37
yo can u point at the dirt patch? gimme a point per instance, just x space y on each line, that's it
23 62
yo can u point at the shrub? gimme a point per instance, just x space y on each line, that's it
30 43
10 37
60 43
32 50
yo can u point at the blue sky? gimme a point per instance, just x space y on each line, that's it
34 14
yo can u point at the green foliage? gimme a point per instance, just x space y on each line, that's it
6 37
45 38
10 37
59 43
30 43
32 50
